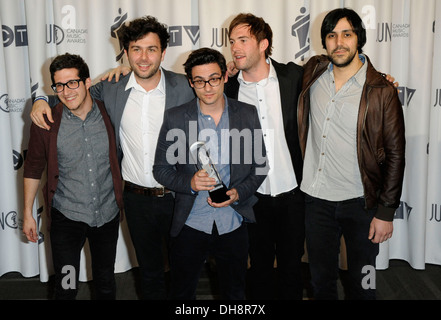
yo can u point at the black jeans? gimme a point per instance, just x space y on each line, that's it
67 240
279 233
191 248
326 222
148 220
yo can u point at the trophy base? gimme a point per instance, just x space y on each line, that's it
219 195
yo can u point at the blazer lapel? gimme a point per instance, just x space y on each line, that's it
122 95
191 117
285 94
171 95
234 122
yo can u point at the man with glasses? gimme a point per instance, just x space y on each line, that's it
83 193
201 226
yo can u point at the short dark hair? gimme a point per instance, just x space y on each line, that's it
353 18
204 56
258 28
67 61
138 28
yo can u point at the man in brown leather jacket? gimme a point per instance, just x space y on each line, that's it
351 131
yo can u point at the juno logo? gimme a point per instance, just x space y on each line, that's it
437 98
436 212
300 30
119 20
54 34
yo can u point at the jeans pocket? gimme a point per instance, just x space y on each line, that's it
56 215
362 202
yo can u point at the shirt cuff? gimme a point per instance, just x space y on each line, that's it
45 98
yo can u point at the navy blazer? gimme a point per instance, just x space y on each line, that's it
290 77
177 177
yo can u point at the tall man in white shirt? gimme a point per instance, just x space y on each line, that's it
136 105
273 88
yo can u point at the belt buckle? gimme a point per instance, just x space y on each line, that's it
161 195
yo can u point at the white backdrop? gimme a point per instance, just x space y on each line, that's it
403 40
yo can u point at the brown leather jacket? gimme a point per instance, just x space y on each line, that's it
380 136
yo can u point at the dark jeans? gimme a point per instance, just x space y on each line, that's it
191 248
326 222
67 240
148 220
279 233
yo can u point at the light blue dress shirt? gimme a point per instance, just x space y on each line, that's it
203 216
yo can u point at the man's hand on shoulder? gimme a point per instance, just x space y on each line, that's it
116 73
39 109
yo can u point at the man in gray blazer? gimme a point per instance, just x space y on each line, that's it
136 106
231 132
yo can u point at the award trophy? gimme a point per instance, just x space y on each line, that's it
202 160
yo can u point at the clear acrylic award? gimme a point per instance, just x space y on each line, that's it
201 158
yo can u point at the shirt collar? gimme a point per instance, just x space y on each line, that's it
132 84
272 75
69 113
360 76
203 115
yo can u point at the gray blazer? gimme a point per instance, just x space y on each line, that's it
177 177
114 96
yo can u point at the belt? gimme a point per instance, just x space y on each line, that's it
155 192
280 195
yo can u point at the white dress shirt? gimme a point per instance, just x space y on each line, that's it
265 95
140 125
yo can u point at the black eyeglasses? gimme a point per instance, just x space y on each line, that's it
199 84
71 84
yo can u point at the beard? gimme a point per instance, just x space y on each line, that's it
148 75
343 63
